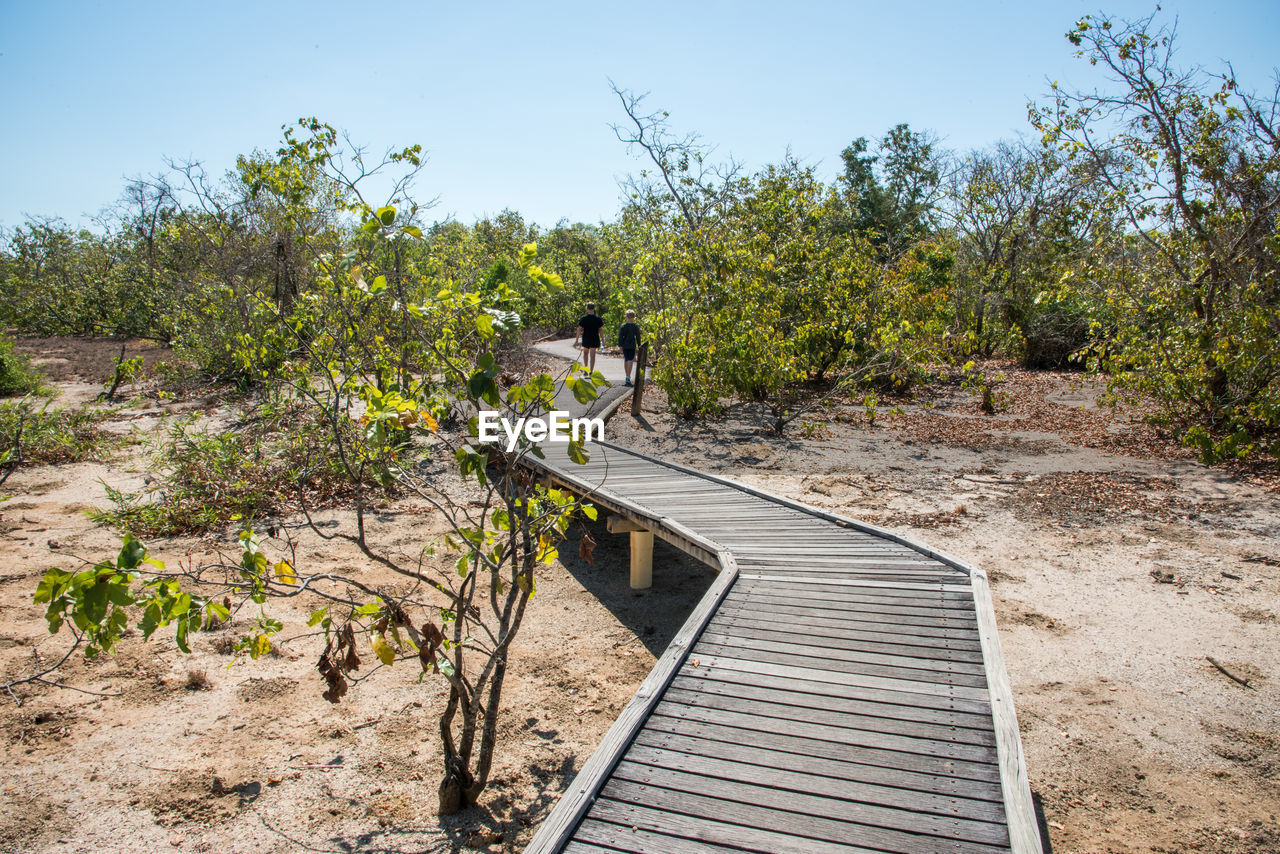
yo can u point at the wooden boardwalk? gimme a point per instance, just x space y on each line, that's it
837 689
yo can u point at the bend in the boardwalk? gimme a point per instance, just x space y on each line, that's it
838 689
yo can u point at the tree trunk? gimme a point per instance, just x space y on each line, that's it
457 789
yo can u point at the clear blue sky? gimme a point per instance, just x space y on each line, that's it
511 100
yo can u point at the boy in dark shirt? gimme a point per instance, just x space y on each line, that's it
589 336
629 340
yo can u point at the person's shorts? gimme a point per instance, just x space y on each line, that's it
590 343
628 354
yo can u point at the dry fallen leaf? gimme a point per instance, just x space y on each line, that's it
586 546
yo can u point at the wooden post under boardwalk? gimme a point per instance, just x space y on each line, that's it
641 550
641 560
642 362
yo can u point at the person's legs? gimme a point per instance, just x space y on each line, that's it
589 357
628 362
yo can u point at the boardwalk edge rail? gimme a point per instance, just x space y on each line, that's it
1020 817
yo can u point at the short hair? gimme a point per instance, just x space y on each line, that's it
591 306
631 312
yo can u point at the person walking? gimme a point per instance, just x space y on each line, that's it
588 335
629 341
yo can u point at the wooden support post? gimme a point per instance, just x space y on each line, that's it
642 362
641 550
641 560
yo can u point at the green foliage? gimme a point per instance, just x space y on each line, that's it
94 600
770 295
206 477
890 197
64 281
47 435
16 374
1026 220
377 368
1193 284
96 603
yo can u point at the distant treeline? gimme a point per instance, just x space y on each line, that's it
1137 235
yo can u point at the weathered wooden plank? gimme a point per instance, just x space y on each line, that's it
841 639
714 829
867 613
922 667
882 597
849 699
867 608
766 561
800 537
777 707
803 579
766 556
875 766
780 790
830 571
942 616
917 754
798 580
808 614
1024 831
735 521
630 838
897 675
788 527
670 488
877 784
768 621
587 848
782 562
945 694
859 590
821 828
820 575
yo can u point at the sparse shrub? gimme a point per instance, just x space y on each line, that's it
16 374
49 436
224 645
212 477
197 680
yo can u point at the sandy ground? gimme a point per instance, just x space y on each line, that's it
1118 564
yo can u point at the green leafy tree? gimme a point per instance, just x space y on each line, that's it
891 196
1025 220
65 281
398 379
1191 162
